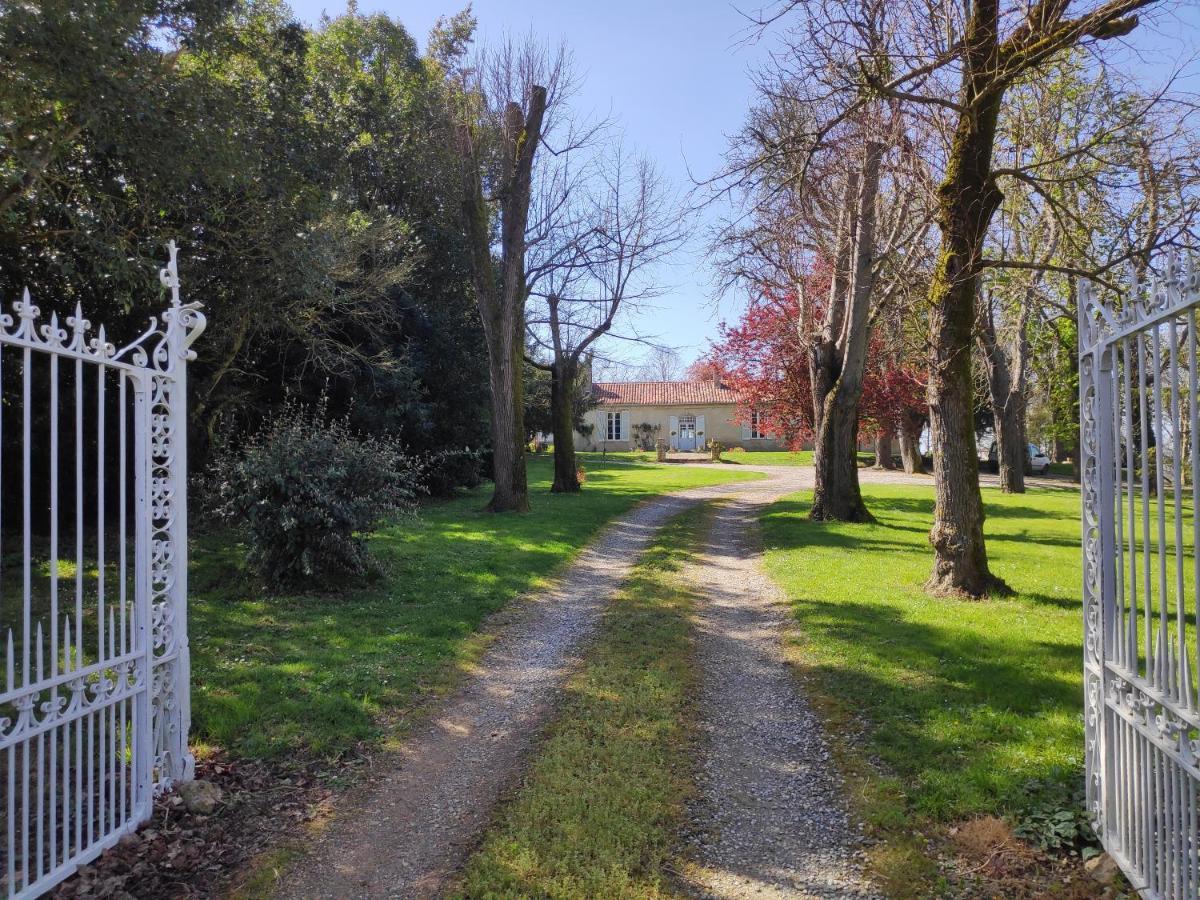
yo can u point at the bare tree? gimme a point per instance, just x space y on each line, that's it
622 221
509 99
1100 178
608 367
952 62
852 202
840 347
1003 338
661 364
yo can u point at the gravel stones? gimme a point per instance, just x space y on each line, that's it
770 818
407 832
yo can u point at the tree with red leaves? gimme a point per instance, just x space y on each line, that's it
893 405
765 360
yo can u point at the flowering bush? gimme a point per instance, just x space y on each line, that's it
305 489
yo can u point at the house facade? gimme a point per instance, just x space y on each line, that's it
632 415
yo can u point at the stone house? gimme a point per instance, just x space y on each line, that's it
630 415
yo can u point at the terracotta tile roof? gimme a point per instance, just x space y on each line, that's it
661 393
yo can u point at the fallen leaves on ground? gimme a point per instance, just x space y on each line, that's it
986 860
181 854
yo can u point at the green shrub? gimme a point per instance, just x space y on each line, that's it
1053 817
305 489
450 469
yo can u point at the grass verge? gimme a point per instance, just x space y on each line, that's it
947 709
598 812
589 456
781 457
734 457
285 678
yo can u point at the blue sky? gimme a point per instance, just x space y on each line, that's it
676 76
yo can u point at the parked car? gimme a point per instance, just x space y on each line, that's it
1039 462
1036 461
985 450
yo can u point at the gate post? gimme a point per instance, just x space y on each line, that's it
1097 495
172 679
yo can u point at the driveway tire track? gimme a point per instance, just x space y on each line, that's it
407 831
770 818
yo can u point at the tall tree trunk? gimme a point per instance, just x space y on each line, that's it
1007 399
883 448
836 491
562 415
502 300
960 555
1007 364
967 198
910 445
825 354
511 489
1011 452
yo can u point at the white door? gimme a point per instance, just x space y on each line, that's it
687 432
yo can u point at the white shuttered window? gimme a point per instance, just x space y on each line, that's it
757 431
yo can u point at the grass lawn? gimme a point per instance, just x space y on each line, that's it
768 457
316 675
782 457
598 813
965 703
590 456
730 457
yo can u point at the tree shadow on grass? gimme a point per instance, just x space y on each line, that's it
895 513
957 716
833 535
966 701
309 674
1057 601
924 506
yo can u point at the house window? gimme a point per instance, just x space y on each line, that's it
613 432
757 426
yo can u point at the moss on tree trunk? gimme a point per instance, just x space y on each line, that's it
967 198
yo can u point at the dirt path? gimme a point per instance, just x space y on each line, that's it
408 830
770 819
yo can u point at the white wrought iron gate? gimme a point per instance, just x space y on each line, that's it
94 702
1140 453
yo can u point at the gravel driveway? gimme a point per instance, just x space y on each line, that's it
770 819
407 831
